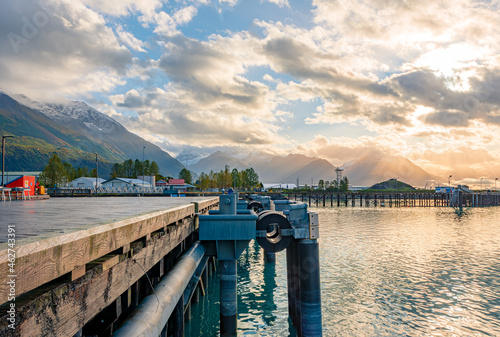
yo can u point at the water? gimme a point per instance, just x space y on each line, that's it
384 272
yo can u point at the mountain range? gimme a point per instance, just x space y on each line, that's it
76 131
364 171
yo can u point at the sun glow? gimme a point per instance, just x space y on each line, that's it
455 63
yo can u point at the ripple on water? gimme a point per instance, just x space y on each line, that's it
384 272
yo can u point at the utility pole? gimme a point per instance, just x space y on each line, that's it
3 157
96 172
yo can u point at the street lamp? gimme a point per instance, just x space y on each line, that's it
496 184
449 184
482 184
143 148
3 156
96 172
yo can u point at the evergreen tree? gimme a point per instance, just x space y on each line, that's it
71 173
186 175
250 178
137 169
53 173
321 184
344 184
127 169
154 169
146 168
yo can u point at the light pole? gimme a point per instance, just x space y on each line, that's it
3 156
496 184
482 184
449 180
143 148
96 172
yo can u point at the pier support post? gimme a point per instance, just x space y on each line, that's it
310 292
228 300
269 257
292 266
178 318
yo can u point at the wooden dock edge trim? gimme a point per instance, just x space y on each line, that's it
80 301
40 262
205 205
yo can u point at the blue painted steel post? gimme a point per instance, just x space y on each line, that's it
228 279
292 262
310 292
270 257
228 298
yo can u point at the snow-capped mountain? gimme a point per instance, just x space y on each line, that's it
92 131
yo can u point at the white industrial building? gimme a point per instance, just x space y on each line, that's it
86 182
125 182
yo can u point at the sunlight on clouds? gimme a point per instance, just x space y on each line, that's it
455 62
415 78
130 40
280 3
124 7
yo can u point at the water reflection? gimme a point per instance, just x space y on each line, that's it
387 272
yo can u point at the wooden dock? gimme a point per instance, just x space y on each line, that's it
86 281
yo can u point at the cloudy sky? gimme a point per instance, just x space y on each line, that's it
335 79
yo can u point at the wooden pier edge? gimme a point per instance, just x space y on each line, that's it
82 293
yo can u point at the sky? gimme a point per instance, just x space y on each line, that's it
333 79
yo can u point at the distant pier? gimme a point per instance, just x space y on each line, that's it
360 199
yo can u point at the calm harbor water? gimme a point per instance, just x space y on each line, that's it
384 272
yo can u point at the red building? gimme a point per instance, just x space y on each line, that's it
23 181
176 182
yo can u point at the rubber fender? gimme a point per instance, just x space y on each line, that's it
273 222
255 206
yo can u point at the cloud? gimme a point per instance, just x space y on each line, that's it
214 71
59 50
280 3
124 7
130 40
178 116
167 24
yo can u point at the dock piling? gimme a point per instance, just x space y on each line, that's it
228 298
310 290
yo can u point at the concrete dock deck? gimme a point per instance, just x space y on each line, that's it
39 219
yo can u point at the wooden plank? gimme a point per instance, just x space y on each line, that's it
107 261
77 272
40 262
205 205
78 302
